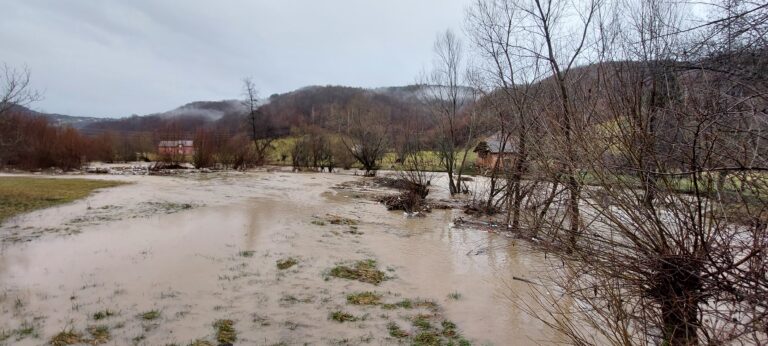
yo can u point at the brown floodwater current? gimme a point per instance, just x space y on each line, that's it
199 248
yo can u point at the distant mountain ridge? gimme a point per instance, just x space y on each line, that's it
77 122
228 114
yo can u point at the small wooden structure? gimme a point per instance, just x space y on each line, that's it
180 147
494 148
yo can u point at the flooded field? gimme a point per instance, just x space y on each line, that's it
271 256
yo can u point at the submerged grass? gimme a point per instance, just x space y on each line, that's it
99 335
150 315
341 316
26 329
449 329
363 271
364 298
396 331
246 253
428 334
422 322
225 331
24 194
100 315
427 338
339 220
286 263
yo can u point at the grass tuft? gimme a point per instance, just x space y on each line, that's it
449 329
99 335
363 271
150 315
286 263
341 316
405 304
67 337
246 253
364 298
396 331
426 304
426 338
200 342
100 315
338 220
421 322
225 331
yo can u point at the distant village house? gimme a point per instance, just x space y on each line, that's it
493 148
182 147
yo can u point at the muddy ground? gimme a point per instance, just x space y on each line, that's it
161 260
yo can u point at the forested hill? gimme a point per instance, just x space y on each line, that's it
309 105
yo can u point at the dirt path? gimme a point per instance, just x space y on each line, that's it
194 250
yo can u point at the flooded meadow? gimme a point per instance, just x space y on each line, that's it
257 258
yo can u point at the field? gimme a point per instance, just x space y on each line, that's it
253 258
281 148
23 194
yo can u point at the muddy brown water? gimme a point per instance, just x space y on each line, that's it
202 248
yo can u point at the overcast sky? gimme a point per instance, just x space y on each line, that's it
112 58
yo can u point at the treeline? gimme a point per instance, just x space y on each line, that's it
31 142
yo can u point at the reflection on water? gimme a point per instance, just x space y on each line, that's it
218 261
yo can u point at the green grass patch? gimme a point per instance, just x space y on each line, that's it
363 271
427 338
395 331
286 263
449 329
364 298
225 331
24 194
421 322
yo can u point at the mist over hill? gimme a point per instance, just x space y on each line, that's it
313 104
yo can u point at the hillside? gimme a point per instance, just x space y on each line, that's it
309 105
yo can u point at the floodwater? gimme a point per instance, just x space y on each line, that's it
200 248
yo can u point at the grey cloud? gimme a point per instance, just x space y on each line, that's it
114 58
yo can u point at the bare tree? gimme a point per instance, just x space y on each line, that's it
15 91
261 132
446 94
365 129
671 247
508 72
15 88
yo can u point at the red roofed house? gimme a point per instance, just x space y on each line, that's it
182 147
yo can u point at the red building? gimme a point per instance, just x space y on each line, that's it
182 147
